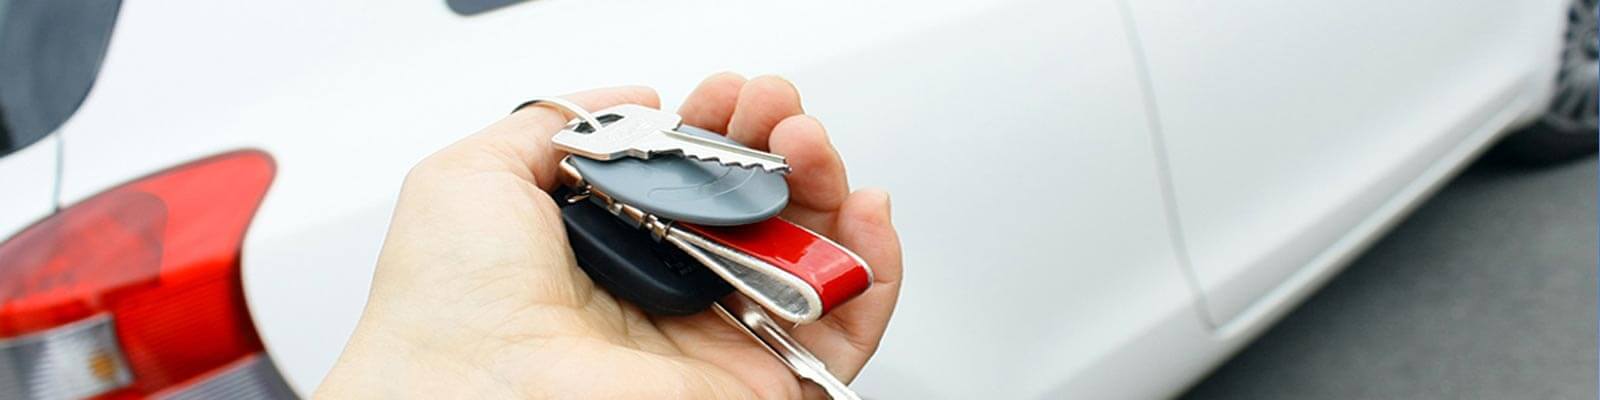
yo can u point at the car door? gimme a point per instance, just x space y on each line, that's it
1293 131
1013 134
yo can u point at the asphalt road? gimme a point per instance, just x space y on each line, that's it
1487 291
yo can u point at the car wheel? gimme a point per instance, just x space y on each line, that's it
1568 128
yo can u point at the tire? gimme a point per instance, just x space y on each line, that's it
1570 127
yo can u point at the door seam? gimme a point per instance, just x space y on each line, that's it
1169 197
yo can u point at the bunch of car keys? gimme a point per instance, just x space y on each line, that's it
677 219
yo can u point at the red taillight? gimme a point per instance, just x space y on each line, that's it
159 256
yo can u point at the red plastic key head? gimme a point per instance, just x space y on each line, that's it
836 273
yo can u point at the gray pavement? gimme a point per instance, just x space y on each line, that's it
1487 291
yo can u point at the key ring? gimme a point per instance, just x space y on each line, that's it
561 104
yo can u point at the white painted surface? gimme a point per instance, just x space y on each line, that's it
1035 237
1287 123
346 105
1047 274
27 185
1172 355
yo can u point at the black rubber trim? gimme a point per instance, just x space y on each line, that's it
50 55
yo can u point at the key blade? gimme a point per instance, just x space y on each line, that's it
744 313
765 284
703 149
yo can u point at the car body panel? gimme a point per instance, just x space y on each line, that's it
1022 141
1349 101
28 181
1076 263
343 139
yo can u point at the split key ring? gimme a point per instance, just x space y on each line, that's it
561 104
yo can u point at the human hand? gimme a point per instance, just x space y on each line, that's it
477 294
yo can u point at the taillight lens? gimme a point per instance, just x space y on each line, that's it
156 262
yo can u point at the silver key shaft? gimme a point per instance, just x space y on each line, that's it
698 148
748 316
644 132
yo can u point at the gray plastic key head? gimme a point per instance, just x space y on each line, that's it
686 190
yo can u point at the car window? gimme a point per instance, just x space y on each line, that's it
50 53
472 7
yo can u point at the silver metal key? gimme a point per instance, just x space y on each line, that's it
643 132
748 316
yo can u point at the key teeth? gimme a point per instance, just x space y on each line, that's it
780 168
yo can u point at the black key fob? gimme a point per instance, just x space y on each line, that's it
627 262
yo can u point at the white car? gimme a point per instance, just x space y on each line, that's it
1098 198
